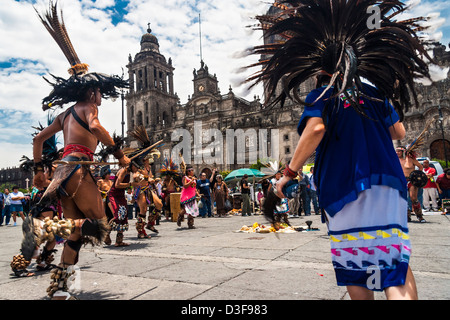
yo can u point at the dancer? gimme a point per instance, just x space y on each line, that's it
154 201
169 172
281 210
39 215
118 203
365 200
144 192
415 180
104 185
73 183
188 199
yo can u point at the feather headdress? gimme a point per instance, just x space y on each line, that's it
414 146
169 168
334 38
106 151
74 88
50 151
271 168
145 150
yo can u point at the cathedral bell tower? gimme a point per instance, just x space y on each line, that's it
204 83
151 101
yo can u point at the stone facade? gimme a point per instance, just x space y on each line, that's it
159 110
434 107
152 102
16 177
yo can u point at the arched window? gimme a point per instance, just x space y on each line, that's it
437 149
165 119
139 119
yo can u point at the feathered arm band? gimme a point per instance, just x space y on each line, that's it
115 150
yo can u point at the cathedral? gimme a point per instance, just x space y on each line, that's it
242 131
227 132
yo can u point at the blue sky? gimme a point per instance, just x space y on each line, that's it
105 32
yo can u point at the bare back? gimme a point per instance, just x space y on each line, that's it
74 132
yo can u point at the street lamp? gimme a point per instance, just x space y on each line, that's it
123 115
441 122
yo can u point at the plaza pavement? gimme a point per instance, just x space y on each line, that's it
214 262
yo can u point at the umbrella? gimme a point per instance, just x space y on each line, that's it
239 173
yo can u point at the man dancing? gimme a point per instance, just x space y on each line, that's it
365 200
104 185
118 203
415 180
142 177
73 182
169 172
39 216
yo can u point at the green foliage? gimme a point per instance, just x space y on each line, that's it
225 173
258 165
7 185
442 162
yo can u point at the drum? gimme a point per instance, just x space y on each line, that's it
175 206
418 178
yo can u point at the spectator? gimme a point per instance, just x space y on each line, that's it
304 201
313 192
265 184
2 200
245 192
203 186
443 186
6 214
129 197
159 187
259 197
16 204
220 195
430 189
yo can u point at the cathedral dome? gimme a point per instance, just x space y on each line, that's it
149 41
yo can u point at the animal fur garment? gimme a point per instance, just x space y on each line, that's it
29 239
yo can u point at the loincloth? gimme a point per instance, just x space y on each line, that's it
63 174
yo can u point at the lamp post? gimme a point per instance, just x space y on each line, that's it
441 122
123 112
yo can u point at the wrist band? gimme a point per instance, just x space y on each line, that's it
289 173
39 166
118 154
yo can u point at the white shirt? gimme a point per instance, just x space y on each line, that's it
129 197
8 199
311 180
13 195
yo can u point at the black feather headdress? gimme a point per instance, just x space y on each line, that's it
145 149
50 151
106 151
334 38
74 88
